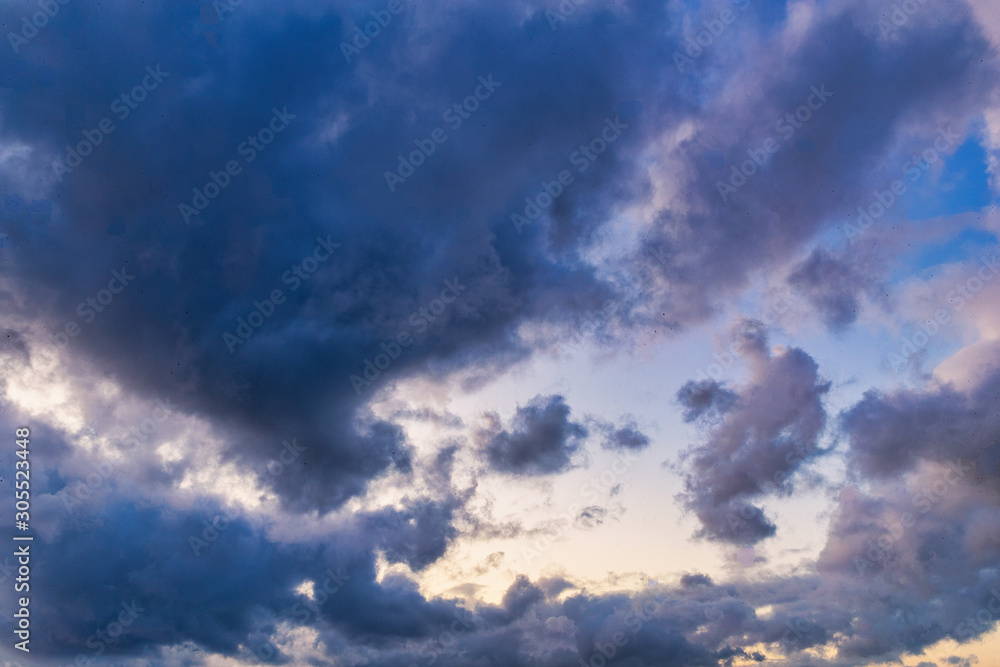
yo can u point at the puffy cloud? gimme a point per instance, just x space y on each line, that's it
764 433
541 439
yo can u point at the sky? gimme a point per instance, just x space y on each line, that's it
533 333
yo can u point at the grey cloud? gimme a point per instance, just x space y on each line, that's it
541 440
767 430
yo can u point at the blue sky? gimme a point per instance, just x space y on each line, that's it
540 333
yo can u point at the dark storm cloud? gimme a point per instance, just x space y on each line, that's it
541 440
769 428
320 178
237 586
231 598
521 596
417 536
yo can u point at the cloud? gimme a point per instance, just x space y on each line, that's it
890 433
626 437
832 286
541 439
756 438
